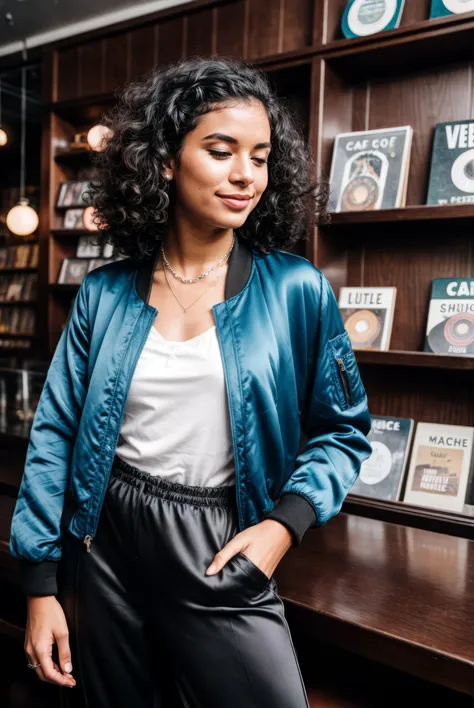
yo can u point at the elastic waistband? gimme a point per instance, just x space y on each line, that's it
157 486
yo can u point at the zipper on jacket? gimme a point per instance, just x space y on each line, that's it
345 381
240 514
89 538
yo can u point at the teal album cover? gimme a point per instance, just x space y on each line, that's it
365 17
442 8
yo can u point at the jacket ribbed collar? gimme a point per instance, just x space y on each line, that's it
238 272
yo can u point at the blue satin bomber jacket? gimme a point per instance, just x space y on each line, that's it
290 376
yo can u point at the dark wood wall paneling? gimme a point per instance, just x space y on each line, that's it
170 40
279 26
200 35
142 50
91 67
248 29
231 37
67 74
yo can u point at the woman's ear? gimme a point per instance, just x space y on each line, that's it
168 170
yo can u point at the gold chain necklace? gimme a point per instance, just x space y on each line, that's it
203 275
185 309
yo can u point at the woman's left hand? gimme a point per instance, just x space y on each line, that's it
265 544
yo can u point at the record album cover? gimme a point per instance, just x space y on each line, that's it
450 326
368 316
381 475
364 17
369 169
440 466
452 164
441 8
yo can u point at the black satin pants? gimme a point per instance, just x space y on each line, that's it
149 629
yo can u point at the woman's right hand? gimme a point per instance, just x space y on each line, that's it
46 624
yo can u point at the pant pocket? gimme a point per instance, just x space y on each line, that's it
258 578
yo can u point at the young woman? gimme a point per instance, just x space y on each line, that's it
165 476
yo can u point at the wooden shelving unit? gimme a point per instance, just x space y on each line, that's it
418 75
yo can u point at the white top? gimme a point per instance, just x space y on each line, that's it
176 420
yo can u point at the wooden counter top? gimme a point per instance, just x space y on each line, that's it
401 596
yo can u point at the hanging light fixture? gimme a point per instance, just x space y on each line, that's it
97 137
3 135
22 219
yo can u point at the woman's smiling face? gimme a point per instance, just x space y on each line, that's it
223 169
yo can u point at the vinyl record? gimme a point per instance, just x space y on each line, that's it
459 329
360 194
378 466
462 172
458 6
457 332
370 16
363 328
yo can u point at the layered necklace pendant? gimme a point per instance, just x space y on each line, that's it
212 270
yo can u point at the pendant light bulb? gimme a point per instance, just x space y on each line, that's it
3 135
22 219
98 136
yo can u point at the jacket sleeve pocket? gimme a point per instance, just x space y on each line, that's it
345 372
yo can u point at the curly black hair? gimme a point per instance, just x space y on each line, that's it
148 124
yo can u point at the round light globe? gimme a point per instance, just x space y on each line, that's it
87 216
22 219
97 135
3 137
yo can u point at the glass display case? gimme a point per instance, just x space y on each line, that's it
20 390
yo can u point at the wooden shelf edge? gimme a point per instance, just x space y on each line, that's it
404 514
412 32
415 359
424 212
71 232
71 154
19 269
397 651
64 287
14 438
99 98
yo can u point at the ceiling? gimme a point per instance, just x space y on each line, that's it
38 22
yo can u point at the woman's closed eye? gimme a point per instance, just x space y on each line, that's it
220 155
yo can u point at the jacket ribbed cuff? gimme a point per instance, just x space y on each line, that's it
296 513
38 578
